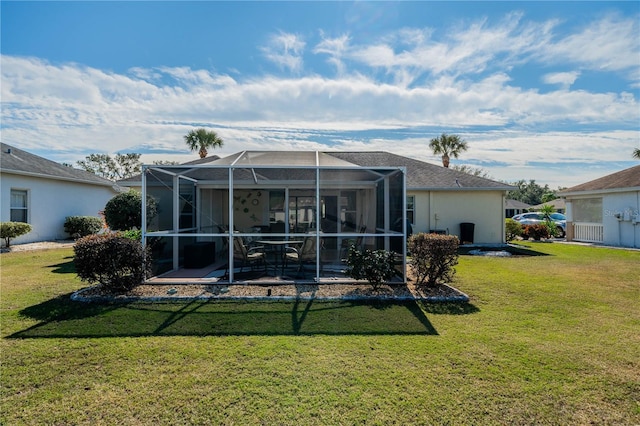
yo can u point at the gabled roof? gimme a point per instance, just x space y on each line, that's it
628 179
420 175
19 162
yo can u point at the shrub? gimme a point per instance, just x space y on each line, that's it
536 231
111 260
124 211
133 234
376 266
81 226
433 257
513 229
9 230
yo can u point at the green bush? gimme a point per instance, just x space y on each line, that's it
115 262
133 234
124 211
81 226
513 229
536 231
9 230
376 266
433 257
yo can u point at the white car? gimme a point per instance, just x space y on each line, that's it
533 218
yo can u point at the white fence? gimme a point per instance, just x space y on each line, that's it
588 232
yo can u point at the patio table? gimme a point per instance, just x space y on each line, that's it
281 244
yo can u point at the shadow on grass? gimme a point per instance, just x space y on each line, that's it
63 318
64 267
514 250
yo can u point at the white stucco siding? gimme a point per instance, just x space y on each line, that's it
50 202
446 210
621 232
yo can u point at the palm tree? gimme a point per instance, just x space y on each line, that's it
636 153
202 139
447 145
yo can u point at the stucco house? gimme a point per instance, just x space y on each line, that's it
43 193
605 210
282 199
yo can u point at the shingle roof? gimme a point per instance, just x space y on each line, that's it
628 178
420 175
17 161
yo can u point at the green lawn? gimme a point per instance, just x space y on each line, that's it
549 339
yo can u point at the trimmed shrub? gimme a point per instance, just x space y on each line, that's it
116 263
433 257
81 226
513 229
536 231
9 230
376 266
124 211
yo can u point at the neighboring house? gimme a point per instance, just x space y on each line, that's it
374 198
558 205
43 193
605 210
514 207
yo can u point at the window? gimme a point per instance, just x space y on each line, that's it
587 210
19 211
411 202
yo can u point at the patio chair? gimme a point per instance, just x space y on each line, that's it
248 256
346 244
305 254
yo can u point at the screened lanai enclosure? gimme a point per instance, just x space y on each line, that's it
270 217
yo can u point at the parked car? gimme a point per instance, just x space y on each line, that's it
533 218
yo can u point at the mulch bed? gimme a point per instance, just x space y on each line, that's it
399 292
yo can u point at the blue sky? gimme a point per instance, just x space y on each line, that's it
539 90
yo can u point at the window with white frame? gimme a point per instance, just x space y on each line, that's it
19 206
411 202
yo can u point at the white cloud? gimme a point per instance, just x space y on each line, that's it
564 79
412 78
285 50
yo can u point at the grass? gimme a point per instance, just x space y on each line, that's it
545 340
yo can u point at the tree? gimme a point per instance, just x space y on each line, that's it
447 146
122 167
636 153
529 192
473 171
10 230
124 211
201 139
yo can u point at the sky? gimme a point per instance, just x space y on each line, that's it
544 91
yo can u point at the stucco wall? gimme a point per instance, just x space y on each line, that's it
621 232
483 208
50 202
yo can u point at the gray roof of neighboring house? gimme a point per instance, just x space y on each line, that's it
420 175
558 203
624 179
16 161
515 204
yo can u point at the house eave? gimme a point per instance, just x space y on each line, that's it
599 191
112 185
